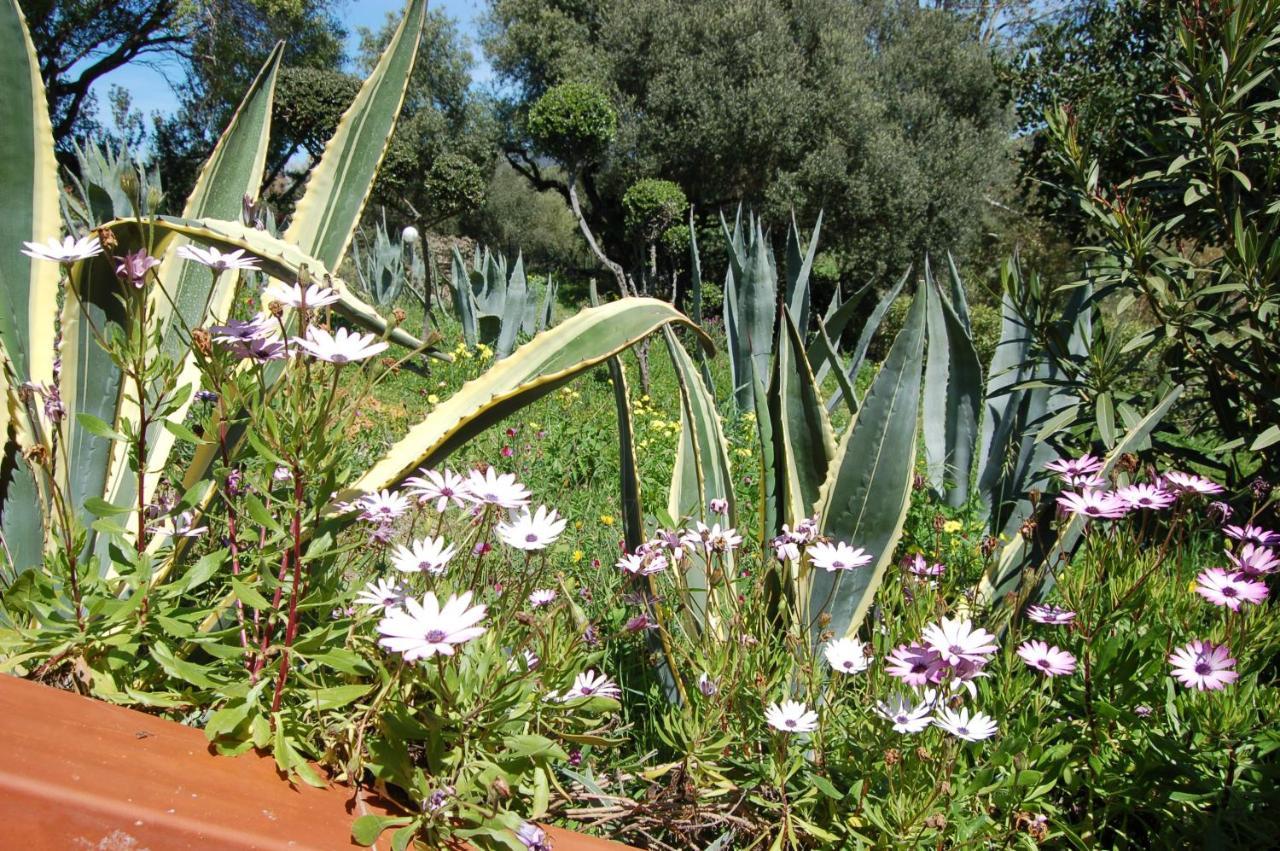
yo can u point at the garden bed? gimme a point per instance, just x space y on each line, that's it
79 773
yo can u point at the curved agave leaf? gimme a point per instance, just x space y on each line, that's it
806 443
868 489
513 310
1051 550
29 190
798 269
838 315
701 471
864 339
952 390
463 303
28 288
22 520
278 259
695 293
1003 401
545 363
827 355
339 186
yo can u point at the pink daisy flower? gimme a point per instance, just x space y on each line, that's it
1229 589
1146 496
919 566
1203 665
1082 466
1191 483
1050 614
1250 534
1254 561
1094 504
957 641
1050 661
913 663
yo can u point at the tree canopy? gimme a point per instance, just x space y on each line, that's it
889 117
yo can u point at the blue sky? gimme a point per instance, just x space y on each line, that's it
150 87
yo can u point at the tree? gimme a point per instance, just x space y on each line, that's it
1104 62
441 156
77 42
229 42
889 117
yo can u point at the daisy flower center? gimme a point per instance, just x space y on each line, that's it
790 722
1203 668
531 537
435 636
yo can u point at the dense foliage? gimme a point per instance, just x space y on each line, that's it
905 565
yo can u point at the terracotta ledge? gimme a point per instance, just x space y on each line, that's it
77 773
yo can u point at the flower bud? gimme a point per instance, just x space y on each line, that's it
202 341
409 236
304 276
500 787
276 309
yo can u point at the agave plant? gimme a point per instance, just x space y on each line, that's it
108 184
379 265
494 307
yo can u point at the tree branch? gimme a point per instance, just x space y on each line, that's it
619 275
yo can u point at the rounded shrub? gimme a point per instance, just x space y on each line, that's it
651 206
573 122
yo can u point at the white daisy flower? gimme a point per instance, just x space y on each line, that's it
300 298
340 347
591 684
905 715
426 555
420 630
382 506
382 593
791 716
440 486
532 532
838 556
847 655
216 260
68 250
542 597
962 725
492 488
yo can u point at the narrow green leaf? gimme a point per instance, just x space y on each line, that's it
868 332
952 397
865 498
340 184
537 368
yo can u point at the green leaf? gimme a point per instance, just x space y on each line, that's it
96 426
868 489
952 396
200 572
532 746
249 596
335 697
701 472
181 432
537 368
189 672
99 507
339 185
868 332
804 438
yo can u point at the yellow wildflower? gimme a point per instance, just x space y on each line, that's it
433 399
952 526
606 519
578 555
